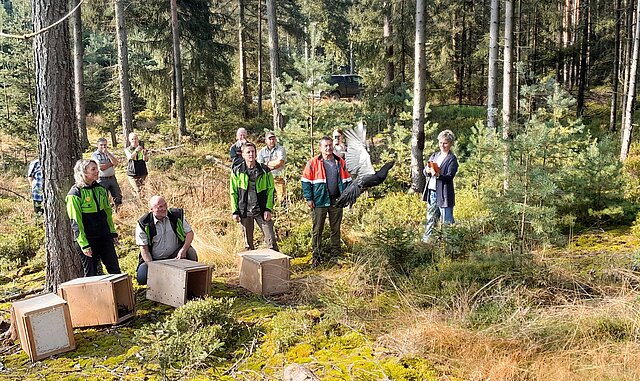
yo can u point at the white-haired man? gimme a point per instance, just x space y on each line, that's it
163 233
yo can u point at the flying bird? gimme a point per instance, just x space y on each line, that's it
359 166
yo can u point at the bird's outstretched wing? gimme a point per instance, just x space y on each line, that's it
349 195
357 157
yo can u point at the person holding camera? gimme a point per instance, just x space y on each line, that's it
137 157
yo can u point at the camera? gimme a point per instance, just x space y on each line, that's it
141 143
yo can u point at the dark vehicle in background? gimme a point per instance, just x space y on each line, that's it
345 86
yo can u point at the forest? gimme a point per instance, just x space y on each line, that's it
537 279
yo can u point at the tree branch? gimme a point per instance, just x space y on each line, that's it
30 35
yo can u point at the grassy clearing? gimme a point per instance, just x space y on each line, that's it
391 308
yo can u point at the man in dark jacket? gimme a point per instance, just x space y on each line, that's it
163 233
252 189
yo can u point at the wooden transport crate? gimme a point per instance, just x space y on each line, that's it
264 271
44 326
99 300
176 281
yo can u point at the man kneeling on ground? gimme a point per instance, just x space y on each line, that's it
162 234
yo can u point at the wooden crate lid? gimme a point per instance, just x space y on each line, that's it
262 255
184 264
38 302
93 279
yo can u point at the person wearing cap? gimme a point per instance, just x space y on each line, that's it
274 156
235 151
107 171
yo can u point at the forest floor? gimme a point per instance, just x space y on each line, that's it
579 321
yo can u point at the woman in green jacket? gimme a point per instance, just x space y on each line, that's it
90 213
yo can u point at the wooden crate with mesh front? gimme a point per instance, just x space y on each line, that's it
44 326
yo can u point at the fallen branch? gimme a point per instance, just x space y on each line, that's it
21 295
13 192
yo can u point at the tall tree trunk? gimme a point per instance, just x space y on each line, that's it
259 58
56 130
387 30
560 44
403 50
78 66
492 85
242 64
177 69
506 85
615 75
461 61
417 130
631 89
627 54
582 82
278 121
123 72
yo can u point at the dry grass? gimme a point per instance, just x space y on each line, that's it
567 342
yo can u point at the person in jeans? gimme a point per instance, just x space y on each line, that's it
323 180
252 190
439 192
163 233
107 172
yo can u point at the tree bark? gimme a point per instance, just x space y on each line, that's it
387 30
177 69
242 67
615 75
278 121
417 130
631 89
259 58
56 129
506 85
492 85
582 81
78 66
123 72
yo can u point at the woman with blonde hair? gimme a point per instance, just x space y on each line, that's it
439 192
90 213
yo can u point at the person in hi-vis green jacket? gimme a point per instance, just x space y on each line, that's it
252 189
90 213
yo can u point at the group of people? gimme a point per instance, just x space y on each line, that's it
106 162
257 181
256 184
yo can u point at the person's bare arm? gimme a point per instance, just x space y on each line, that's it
146 254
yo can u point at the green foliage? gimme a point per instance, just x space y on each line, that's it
20 243
289 327
394 210
198 334
298 241
456 283
16 73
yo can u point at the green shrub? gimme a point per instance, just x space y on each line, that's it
197 334
453 282
21 243
162 163
395 209
289 327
